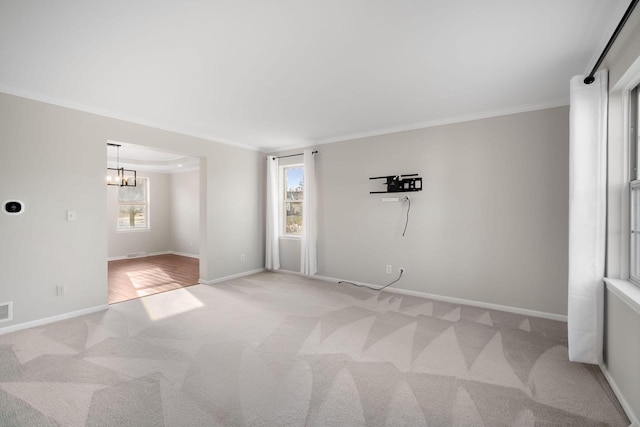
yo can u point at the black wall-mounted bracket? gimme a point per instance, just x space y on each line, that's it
400 183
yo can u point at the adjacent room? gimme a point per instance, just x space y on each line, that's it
407 213
153 218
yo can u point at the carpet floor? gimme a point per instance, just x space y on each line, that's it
281 350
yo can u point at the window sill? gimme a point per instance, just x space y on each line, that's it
626 291
133 230
285 237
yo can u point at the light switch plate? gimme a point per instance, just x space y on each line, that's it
72 215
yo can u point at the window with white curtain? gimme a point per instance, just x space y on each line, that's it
292 196
634 204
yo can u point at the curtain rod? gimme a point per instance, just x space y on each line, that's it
590 79
294 155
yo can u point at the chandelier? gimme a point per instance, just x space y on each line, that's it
118 176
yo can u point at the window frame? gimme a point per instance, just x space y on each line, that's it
634 186
147 205
283 201
619 174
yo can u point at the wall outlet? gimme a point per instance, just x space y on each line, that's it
389 269
191 243
402 270
72 215
61 290
242 258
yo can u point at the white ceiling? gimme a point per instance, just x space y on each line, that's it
284 73
146 159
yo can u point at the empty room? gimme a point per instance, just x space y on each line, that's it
153 220
382 213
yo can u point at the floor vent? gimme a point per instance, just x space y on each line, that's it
137 255
6 311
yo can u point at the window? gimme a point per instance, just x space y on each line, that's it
293 198
635 188
133 206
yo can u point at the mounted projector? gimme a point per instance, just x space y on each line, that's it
400 183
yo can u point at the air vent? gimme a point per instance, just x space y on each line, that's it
6 311
137 255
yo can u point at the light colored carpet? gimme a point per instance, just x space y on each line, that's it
281 350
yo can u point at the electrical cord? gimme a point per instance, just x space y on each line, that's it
408 209
406 198
374 289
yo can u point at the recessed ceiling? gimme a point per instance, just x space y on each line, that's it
140 158
284 73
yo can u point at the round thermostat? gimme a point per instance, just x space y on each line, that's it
13 207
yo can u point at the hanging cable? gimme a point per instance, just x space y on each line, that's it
408 209
374 289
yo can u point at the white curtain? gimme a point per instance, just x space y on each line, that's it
587 217
272 258
308 259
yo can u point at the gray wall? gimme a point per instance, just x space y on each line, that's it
490 225
184 190
174 216
290 254
175 213
622 348
158 237
54 159
624 52
622 343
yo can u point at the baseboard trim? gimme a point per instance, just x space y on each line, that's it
52 319
158 253
196 256
623 402
490 306
487 305
118 258
233 276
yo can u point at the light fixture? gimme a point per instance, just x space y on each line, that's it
120 176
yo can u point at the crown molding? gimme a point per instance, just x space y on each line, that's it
432 123
47 99
347 137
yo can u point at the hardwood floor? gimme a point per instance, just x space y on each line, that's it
134 278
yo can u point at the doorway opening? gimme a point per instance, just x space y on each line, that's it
154 226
